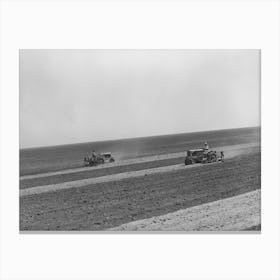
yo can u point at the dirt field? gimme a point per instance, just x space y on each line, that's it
144 163
87 202
37 161
132 173
241 211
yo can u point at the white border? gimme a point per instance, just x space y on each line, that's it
156 24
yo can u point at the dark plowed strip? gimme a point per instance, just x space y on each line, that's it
111 204
257 228
28 183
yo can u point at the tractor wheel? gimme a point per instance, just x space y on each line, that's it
112 160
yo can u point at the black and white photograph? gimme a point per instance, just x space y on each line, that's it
139 140
146 140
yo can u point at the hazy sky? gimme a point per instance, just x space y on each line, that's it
71 96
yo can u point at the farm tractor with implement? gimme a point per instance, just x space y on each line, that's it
203 155
97 159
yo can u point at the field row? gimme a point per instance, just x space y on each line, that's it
136 165
111 204
235 213
35 161
94 173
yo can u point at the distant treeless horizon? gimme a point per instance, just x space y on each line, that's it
147 136
77 96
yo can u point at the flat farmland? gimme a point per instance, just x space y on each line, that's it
102 206
233 213
65 157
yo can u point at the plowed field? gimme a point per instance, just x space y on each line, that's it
101 206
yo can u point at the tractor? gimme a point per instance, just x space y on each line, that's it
97 159
202 156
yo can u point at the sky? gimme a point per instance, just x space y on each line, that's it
75 96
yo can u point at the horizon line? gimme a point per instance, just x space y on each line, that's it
128 138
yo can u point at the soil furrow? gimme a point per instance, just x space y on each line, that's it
114 203
234 213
